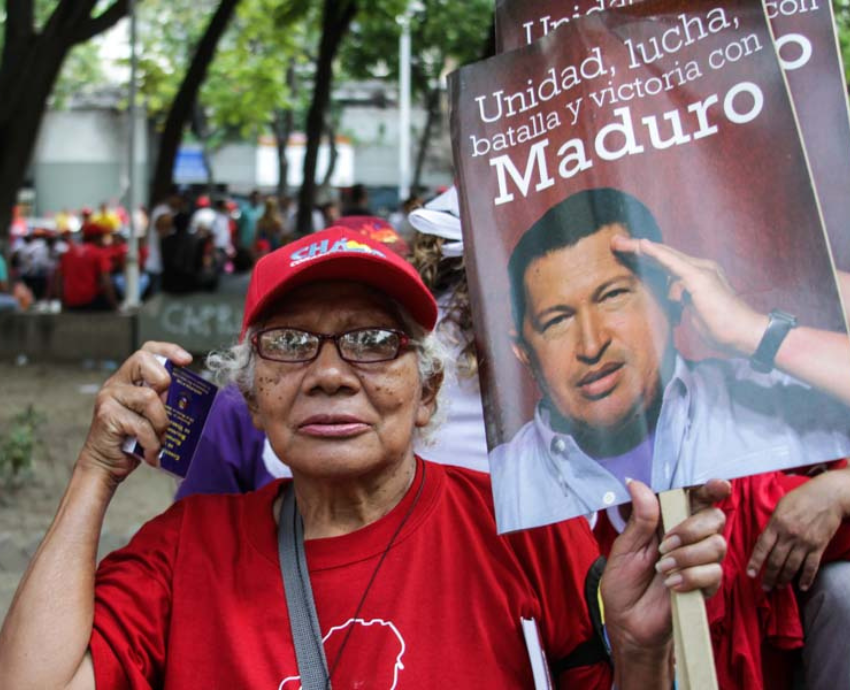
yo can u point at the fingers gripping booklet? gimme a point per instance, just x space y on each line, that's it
187 404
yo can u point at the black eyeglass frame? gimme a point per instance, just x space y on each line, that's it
404 343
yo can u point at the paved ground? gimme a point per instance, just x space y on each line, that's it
65 394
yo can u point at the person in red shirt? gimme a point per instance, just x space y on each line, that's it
412 586
85 274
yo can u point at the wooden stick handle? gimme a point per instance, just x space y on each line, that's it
694 655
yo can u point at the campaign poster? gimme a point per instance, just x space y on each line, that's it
807 44
649 271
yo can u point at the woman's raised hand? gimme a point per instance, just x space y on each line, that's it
131 404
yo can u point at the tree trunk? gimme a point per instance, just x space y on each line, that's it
201 130
284 123
432 106
333 155
282 127
31 62
19 133
181 108
336 18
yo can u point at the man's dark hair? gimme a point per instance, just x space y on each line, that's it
576 217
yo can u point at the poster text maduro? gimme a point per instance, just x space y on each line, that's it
549 110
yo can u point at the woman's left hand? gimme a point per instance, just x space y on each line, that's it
642 569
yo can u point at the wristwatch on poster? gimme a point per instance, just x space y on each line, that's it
777 328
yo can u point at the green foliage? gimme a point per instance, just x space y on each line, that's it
444 33
82 71
168 32
246 83
290 12
842 21
18 445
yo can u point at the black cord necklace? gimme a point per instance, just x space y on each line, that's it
380 562
301 577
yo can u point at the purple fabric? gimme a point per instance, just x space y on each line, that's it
635 464
229 458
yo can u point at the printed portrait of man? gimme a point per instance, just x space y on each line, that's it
596 298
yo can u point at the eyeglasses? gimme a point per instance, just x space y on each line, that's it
362 345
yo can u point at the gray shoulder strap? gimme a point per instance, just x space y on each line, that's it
306 633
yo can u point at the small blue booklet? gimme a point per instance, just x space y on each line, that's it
188 404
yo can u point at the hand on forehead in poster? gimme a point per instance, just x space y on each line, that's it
722 318
800 529
642 567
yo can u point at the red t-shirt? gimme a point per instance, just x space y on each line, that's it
118 254
196 599
82 267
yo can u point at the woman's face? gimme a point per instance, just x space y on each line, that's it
333 418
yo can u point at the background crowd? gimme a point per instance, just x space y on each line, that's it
76 260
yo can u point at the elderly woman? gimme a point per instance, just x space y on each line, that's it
411 587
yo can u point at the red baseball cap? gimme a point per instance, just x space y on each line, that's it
338 253
375 228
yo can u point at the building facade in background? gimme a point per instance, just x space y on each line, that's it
82 154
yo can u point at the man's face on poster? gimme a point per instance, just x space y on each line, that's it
594 334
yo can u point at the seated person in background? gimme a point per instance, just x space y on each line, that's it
330 213
271 227
358 202
34 262
203 218
107 218
7 300
222 236
84 274
188 259
119 251
249 213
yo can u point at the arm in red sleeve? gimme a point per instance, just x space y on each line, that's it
133 602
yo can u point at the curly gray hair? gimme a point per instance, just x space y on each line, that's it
236 364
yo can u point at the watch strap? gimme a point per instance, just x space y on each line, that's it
778 326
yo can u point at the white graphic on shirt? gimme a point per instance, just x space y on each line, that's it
362 626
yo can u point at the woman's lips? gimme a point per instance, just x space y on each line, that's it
332 427
602 381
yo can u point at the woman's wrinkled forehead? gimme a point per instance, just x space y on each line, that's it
331 305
